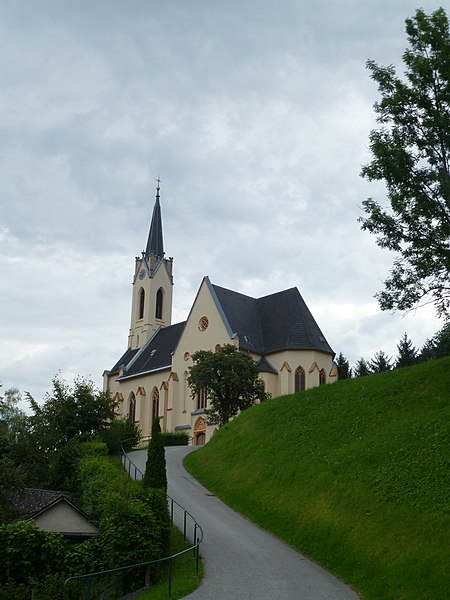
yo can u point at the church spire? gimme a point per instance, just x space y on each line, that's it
155 237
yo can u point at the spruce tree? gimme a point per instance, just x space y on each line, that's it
155 469
343 367
380 362
407 353
361 368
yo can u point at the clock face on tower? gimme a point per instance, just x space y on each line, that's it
142 274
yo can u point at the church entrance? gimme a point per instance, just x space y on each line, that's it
200 432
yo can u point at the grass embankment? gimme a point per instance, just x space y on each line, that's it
355 475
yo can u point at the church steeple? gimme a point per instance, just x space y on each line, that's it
155 244
152 285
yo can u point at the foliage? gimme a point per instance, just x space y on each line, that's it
28 552
369 471
361 368
411 153
407 353
121 431
177 438
343 367
155 469
81 412
11 416
438 346
380 362
230 378
46 588
133 521
11 478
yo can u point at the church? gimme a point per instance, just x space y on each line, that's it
150 379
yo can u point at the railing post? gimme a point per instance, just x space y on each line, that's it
171 511
195 535
170 577
197 556
184 526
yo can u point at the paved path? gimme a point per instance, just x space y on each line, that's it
241 561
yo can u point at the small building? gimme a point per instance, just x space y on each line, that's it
52 511
150 378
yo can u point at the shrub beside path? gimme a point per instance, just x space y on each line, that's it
241 561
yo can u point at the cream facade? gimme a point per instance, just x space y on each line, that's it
150 379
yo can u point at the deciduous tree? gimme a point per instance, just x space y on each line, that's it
411 154
230 378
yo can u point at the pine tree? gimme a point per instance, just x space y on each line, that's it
343 367
361 368
407 353
155 469
380 362
438 346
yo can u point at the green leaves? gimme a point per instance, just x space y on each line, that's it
411 153
230 378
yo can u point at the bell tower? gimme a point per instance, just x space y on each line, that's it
152 285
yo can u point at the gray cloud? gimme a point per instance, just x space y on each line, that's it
257 121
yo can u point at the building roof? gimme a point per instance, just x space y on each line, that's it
276 322
155 244
279 321
31 501
44 508
156 354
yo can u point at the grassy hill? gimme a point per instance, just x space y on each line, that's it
355 475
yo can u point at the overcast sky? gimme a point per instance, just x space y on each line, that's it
255 114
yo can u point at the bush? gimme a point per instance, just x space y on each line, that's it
177 438
134 521
28 552
121 431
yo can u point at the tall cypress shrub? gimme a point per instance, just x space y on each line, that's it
155 470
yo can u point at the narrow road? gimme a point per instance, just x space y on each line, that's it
241 561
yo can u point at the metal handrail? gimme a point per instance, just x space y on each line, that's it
197 540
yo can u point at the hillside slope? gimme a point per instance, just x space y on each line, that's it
354 474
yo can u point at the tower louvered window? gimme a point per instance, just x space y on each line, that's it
141 303
159 304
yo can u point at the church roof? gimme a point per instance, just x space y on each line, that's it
279 321
155 237
276 322
157 353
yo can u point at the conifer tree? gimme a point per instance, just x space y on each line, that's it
361 368
343 367
380 362
155 469
407 353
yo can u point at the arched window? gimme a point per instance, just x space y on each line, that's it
155 404
299 379
141 303
159 304
322 377
132 407
201 399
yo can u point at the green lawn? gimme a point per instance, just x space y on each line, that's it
355 475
